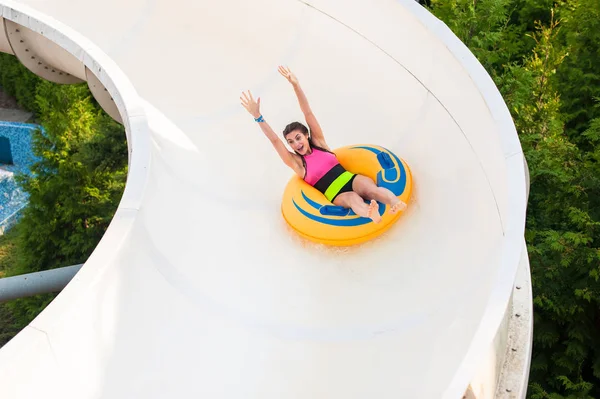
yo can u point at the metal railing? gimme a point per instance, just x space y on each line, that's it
26 285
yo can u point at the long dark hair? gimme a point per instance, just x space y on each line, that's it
304 130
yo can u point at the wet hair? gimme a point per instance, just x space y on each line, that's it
304 130
295 126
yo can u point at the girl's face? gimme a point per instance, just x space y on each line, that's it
298 141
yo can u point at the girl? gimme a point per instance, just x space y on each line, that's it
314 162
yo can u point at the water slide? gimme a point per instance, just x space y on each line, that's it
199 288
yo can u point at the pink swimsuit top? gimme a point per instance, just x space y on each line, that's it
318 163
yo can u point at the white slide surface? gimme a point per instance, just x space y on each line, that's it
206 293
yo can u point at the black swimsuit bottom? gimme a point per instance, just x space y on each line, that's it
335 182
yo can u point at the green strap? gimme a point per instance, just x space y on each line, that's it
337 185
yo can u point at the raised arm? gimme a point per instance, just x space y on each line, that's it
290 159
315 129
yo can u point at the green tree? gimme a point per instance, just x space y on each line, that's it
482 25
560 230
18 81
535 69
578 77
592 136
74 188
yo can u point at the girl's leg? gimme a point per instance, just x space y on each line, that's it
366 188
354 201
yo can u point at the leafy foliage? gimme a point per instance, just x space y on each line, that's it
8 247
74 188
547 71
578 77
18 81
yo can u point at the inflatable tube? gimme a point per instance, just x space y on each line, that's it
312 216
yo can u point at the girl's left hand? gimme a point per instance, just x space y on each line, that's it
251 105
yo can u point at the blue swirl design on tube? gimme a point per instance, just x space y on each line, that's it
392 176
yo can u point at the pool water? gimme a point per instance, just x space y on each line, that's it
12 198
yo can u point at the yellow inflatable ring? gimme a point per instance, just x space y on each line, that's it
312 216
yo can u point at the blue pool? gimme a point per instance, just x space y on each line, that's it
19 146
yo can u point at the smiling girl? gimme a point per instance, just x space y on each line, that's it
314 161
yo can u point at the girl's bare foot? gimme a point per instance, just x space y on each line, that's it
373 212
398 205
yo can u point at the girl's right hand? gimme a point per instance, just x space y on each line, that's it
251 105
287 73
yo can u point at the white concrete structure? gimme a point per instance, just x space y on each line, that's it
199 289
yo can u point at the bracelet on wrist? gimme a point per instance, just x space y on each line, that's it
259 119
